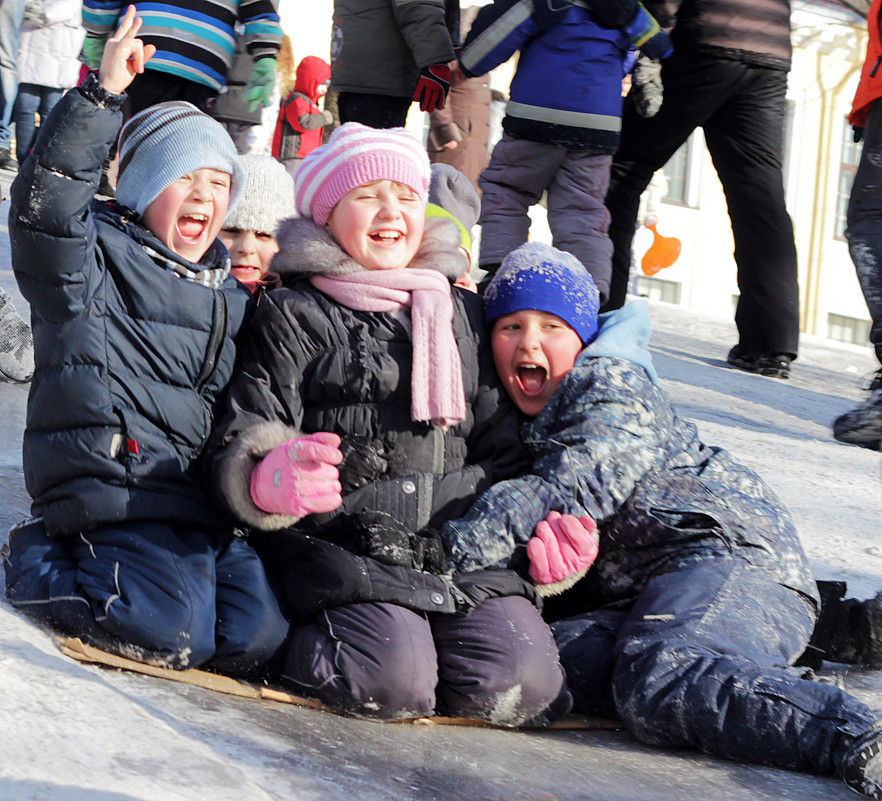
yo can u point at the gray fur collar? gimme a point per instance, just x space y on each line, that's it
306 248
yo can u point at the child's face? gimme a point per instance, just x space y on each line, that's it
187 215
250 253
380 224
533 351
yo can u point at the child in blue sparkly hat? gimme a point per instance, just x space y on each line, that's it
700 593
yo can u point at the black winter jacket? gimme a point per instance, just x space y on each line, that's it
310 364
130 359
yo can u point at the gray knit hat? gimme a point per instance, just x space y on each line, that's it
451 191
268 197
165 142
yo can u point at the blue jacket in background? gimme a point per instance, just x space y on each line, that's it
567 88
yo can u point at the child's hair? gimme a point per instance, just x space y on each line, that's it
542 278
166 142
356 155
268 197
452 195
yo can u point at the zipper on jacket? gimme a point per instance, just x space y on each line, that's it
875 67
218 334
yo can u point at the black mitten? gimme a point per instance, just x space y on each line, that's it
364 462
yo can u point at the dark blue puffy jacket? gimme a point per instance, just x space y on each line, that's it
130 359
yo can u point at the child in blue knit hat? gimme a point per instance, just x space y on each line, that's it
134 315
700 595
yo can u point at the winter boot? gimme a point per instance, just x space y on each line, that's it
863 424
16 344
863 766
847 630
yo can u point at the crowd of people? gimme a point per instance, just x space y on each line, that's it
301 444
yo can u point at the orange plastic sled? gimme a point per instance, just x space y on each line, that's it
663 252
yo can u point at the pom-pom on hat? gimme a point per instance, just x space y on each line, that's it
165 142
453 193
540 277
356 155
268 197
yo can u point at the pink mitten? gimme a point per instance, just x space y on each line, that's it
299 477
562 550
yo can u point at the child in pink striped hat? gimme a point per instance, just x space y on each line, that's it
367 412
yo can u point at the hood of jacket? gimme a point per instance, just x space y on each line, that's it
623 334
308 249
312 72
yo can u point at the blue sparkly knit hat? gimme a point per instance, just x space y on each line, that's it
165 142
540 277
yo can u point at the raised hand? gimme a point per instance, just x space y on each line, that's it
124 55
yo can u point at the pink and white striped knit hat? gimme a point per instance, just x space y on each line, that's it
356 155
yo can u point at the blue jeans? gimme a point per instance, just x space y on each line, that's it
155 592
703 659
864 231
31 100
11 12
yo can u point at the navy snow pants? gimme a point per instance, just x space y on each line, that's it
499 663
155 592
703 661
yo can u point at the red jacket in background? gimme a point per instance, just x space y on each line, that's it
300 122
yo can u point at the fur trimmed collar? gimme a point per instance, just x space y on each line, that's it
306 248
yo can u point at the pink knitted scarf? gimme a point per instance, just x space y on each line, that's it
437 393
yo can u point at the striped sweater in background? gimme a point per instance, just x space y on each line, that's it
194 39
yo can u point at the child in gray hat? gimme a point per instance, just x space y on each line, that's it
134 313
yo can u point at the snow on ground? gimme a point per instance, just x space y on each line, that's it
71 732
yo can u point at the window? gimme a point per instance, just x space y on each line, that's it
849 160
656 289
848 329
677 173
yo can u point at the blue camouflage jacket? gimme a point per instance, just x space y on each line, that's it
609 444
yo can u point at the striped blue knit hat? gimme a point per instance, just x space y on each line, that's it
540 277
165 142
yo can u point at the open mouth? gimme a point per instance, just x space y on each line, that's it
531 378
246 273
191 226
386 237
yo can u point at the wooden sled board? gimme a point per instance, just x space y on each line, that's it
75 648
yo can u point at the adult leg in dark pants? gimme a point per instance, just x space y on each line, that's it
863 425
741 109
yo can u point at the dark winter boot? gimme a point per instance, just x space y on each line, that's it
847 631
863 424
863 766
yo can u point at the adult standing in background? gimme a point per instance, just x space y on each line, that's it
863 424
459 134
728 75
195 44
48 64
11 13
387 54
230 108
